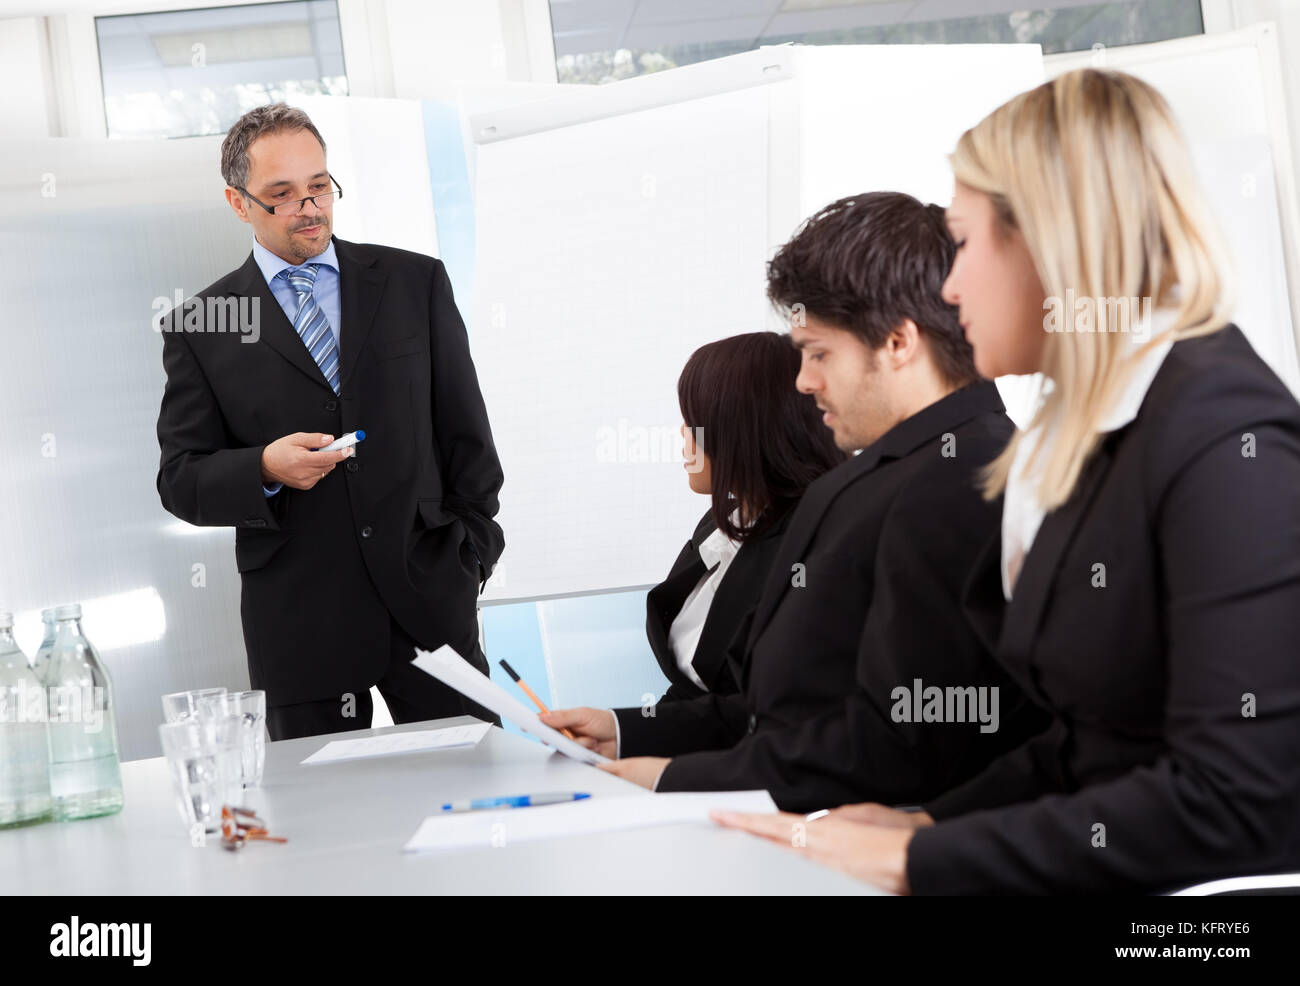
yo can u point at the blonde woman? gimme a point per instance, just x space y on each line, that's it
1145 584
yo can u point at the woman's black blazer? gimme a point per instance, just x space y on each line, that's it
736 595
1157 617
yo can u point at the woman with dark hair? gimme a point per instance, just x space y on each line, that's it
753 445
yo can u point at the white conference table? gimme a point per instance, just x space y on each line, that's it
347 822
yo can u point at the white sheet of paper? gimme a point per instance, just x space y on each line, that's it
471 829
450 738
450 668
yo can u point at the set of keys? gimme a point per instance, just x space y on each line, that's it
240 826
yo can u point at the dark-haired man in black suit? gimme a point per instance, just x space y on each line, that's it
860 678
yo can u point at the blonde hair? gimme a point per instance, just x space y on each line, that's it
1094 172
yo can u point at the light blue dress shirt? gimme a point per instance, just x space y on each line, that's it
325 291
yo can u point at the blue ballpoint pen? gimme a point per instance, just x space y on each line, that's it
516 801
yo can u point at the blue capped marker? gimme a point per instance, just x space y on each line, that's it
344 442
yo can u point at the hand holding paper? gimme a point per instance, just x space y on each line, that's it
450 668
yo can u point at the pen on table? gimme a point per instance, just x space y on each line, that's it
531 694
349 439
516 801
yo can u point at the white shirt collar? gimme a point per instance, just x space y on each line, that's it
270 265
1146 366
1125 409
717 545
1021 513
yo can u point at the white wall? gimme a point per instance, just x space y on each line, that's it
1231 14
436 43
49 66
415 49
26 109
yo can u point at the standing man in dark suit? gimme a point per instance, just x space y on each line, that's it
344 571
862 603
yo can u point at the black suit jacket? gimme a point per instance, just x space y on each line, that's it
736 595
883 542
1156 750
405 528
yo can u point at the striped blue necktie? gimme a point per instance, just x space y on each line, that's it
310 323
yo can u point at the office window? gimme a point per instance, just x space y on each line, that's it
189 72
606 40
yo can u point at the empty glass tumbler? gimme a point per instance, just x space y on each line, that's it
179 706
250 708
204 757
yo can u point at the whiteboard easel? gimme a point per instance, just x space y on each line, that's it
620 227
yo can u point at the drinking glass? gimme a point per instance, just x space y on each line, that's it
179 706
250 708
204 757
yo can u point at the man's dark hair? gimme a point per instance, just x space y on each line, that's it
765 440
865 263
273 118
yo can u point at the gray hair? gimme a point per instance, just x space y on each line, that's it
270 119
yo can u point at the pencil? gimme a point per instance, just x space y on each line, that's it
531 694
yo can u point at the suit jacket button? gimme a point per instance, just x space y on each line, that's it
331 405
352 465
753 722
366 532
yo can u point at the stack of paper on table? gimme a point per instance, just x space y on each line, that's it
419 741
475 829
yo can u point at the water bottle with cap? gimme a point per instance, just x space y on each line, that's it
42 655
24 737
85 778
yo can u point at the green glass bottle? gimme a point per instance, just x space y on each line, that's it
85 777
24 737
42 654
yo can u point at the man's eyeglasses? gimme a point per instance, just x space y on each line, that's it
294 206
